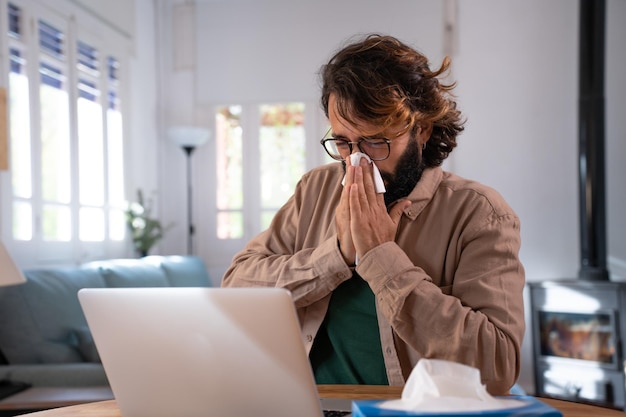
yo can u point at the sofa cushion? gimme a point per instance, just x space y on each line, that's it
182 271
85 344
37 317
131 273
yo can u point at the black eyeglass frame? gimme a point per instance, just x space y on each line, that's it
350 144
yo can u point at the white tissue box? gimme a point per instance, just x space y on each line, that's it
532 408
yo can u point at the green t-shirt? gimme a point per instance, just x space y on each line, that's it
347 348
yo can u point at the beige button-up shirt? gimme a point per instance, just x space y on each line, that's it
449 286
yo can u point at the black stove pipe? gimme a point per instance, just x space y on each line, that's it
591 117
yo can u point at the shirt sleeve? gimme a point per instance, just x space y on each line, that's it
478 320
298 251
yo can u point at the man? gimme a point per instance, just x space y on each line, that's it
427 269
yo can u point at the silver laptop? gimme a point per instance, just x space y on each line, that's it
192 352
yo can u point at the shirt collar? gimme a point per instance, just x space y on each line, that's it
423 191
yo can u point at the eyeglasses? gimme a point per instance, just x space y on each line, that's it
377 149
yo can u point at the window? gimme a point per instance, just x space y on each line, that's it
19 126
54 136
282 151
229 173
270 178
66 136
259 153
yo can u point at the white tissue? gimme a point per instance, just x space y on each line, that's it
441 386
378 179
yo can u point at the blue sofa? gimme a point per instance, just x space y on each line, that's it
44 337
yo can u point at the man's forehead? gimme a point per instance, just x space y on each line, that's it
349 126
342 127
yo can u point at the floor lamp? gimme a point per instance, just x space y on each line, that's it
10 274
189 138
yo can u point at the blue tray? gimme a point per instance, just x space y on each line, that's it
533 408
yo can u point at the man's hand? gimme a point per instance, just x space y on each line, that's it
365 212
342 220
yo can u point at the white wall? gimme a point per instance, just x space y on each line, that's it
142 128
272 49
517 86
616 136
119 14
517 70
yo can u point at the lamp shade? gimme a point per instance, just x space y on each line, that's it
10 274
188 136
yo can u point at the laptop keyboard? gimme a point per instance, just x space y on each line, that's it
335 413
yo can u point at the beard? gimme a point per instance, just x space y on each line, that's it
408 172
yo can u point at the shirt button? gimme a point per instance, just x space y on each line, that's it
309 338
388 351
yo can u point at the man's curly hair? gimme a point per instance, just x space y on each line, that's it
382 81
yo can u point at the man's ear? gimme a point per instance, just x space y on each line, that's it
424 133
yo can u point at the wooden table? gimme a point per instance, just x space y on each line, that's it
110 409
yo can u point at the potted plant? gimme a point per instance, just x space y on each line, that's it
145 230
